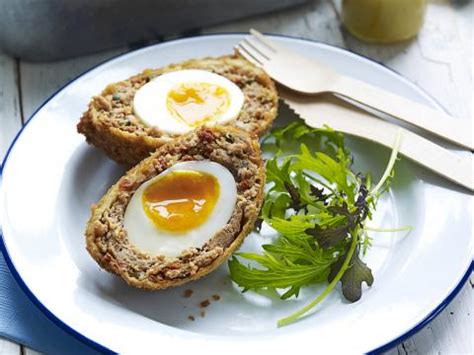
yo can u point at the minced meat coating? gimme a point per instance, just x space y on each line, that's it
106 237
110 123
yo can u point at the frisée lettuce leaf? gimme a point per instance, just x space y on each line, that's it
319 208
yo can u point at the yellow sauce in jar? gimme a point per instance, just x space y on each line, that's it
383 21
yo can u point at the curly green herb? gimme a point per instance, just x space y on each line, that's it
319 207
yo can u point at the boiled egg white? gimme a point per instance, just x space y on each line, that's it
179 101
181 208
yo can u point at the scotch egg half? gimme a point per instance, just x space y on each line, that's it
180 213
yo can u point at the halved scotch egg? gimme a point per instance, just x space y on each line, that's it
131 118
181 212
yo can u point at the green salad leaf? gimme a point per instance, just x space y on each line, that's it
319 208
354 276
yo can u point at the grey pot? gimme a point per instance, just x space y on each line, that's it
41 30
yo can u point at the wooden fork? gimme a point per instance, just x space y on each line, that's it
309 77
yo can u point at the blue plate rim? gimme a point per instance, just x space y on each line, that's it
62 325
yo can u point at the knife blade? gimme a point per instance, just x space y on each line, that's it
328 110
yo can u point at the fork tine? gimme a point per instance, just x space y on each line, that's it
259 57
247 55
259 47
263 39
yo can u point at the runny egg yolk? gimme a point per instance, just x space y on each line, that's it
181 200
196 103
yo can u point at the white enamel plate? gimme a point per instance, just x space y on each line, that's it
51 177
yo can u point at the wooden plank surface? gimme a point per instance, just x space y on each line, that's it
10 112
27 351
40 80
9 348
439 60
10 123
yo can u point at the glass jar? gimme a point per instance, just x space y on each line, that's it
383 21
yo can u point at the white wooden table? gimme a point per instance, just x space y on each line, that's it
439 60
